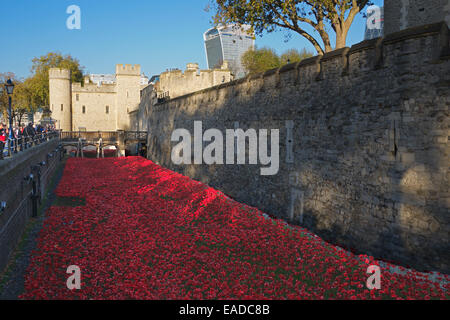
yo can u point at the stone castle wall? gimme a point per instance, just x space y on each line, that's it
16 192
60 98
106 107
364 151
175 83
95 99
128 97
403 14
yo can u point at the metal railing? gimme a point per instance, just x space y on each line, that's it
23 199
13 146
106 136
136 135
89 135
99 148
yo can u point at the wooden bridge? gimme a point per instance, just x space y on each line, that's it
100 141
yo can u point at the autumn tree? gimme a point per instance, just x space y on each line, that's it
32 94
39 82
299 16
293 55
21 99
259 60
4 103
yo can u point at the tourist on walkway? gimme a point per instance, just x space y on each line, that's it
2 135
29 130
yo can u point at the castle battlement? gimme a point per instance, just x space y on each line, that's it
95 105
128 69
57 73
361 59
172 72
93 88
176 83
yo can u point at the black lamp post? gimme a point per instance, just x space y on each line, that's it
10 90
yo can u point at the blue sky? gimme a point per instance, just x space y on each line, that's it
155 34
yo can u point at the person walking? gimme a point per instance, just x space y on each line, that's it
30 132
2 142
2 135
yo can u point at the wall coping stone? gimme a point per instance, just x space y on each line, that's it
420 31
415 32
335 53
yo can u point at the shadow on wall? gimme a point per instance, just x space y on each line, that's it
369 143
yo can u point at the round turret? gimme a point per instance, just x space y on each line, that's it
61 98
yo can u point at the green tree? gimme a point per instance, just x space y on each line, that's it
38 84
293 55
21 99
4 104
294 15
259 60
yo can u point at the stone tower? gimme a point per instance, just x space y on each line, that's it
128 78
404 14
61 98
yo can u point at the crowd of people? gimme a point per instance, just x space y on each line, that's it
24 131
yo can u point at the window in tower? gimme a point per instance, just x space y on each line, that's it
107 109
62 107
84 109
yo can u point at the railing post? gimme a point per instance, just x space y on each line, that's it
121 142
34 198
9 148
99 147
81 149
37 170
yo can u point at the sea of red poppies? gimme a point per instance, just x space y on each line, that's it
146 232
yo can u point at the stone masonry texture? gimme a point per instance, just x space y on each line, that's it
403 14
370 167
14 190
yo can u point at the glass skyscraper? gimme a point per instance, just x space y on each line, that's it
228 43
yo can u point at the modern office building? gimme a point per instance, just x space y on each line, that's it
228 43
375 23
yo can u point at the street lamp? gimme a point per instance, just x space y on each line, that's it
9 85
